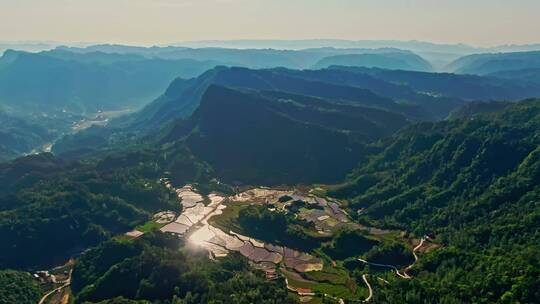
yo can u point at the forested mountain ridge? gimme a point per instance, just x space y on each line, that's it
245 116
473 183
183 96
467 87
437 107
292 138
418 96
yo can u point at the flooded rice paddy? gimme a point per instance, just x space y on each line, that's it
193 224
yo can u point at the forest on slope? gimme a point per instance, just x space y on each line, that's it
155 268
51 209
470 180
474 184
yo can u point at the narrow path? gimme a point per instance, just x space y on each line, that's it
364 277
414 253
66 284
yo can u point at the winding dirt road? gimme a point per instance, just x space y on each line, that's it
414 253
364 277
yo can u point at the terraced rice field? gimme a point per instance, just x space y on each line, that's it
306 273
193 210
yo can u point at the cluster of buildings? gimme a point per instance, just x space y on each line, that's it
45 277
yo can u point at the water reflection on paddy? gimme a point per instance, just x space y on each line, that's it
193 222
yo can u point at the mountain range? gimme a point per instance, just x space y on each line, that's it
438 54
259 58
293 138
364 183
416 95
228 116
89 80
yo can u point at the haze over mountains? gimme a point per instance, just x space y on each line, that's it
72 85
406 96
326 171
86 83
438 54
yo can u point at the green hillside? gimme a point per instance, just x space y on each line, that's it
18 287
155 268
289 137
51 209
473 183
184 96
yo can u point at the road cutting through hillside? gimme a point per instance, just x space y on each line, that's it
414 253
364 277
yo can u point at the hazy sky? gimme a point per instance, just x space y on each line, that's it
476 22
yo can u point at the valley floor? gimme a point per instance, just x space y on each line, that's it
210 222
